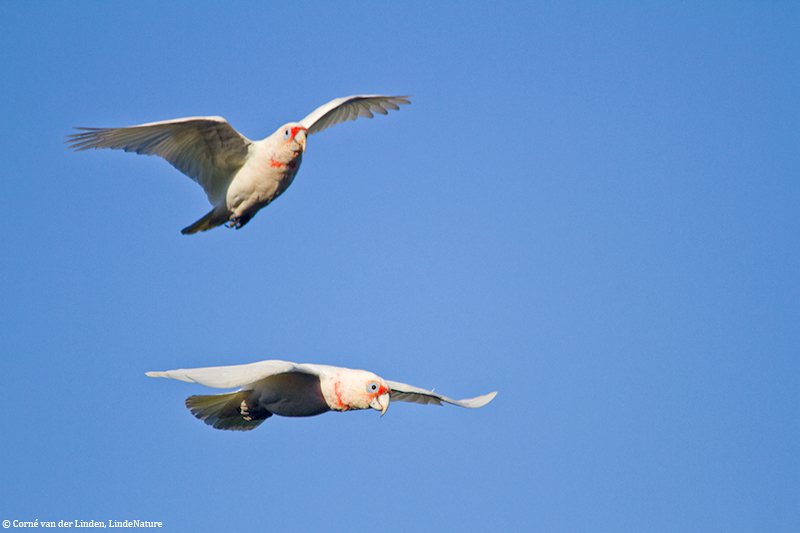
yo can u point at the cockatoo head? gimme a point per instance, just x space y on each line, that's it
356 389
292 136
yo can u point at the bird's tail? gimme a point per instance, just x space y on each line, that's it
211 220
231 410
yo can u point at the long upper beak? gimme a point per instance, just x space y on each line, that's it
299 141
381 403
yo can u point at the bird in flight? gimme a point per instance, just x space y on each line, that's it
239 176
290 389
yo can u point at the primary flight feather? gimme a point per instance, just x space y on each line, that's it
290 389
239 176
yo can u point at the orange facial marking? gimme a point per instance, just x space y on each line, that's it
338 393
277 164
296 129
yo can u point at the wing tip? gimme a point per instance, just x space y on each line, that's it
79 141
480 401
400 100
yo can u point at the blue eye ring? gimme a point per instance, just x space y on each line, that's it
287 134
373 387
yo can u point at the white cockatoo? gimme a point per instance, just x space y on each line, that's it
290 389
239 176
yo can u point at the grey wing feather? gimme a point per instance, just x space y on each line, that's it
228 377
350 108
207 149
408 393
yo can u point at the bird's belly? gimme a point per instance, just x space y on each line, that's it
253 190
304 407
292 394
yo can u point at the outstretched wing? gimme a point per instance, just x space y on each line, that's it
207 149
228 377
350 108
407 393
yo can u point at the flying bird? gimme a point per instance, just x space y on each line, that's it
290 389
239 176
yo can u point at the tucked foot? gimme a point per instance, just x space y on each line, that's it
238 222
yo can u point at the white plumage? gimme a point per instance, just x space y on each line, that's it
239 176
289 389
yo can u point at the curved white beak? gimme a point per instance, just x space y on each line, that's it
381 403
299 142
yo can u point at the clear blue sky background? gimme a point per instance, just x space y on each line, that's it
590 208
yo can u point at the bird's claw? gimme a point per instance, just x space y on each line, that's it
239 222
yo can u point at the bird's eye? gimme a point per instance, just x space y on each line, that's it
373 386
286 134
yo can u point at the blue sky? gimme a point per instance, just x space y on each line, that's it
590 208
